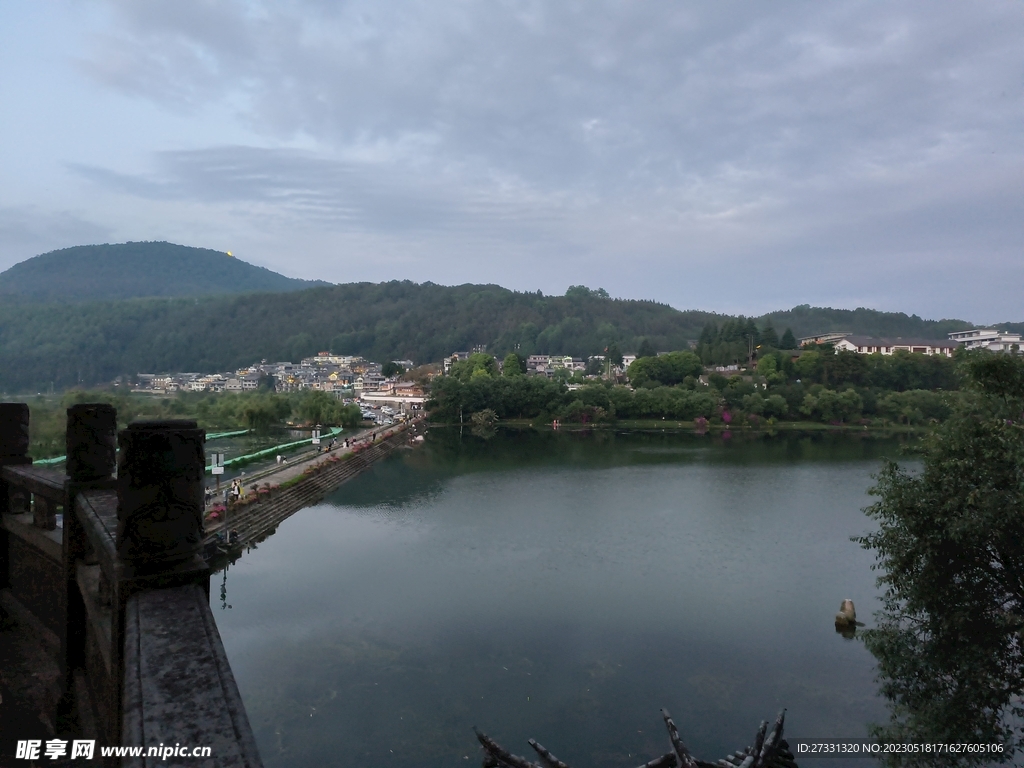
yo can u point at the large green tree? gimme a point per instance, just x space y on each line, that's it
950 545
671 368
477 364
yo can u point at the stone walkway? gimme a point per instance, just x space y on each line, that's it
292 469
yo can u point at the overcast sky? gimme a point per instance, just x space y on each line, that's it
738 157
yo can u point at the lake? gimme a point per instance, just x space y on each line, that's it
562 586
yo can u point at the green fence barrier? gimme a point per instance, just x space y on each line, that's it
55 460
214 436
274 449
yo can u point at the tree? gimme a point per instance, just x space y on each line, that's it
581 291
614 354
646 349
263 411
769 338
668 369
776 406
809 367
391 368
788 340
846 367
477 364
513 365
948 639
484 418
767 365
316 406
830 406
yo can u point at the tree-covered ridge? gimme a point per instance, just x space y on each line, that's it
134 270
68 344
806 320
91 343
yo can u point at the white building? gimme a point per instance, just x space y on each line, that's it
867 345
988 338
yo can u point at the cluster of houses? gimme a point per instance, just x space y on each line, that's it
351 376
343 375
977 338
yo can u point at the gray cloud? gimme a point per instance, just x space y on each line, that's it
649 144
27 231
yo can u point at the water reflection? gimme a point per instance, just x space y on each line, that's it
563 587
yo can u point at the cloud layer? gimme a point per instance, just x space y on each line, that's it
732 156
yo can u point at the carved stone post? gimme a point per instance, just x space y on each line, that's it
160 493
91 442
159 517
13 450
13 430
91 449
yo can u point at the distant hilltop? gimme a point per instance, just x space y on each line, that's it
138 270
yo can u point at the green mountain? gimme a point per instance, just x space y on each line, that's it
70 343
65 344
134 270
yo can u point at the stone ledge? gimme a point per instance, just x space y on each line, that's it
50 543
179 688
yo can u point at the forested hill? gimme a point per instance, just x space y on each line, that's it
806 320
133 270
65 344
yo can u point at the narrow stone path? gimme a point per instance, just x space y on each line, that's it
251 522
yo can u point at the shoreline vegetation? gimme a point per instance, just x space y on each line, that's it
811 389
814 387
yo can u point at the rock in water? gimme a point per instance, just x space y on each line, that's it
847 616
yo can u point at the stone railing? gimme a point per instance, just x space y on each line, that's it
121 581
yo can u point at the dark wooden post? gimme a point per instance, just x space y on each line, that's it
13 450
91 449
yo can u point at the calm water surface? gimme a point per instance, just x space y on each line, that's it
562 587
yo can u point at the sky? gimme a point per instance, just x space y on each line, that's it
739 157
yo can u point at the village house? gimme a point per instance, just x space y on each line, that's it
867 345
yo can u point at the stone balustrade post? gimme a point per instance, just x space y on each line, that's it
91 450
14 421
160 494
160 506
91 441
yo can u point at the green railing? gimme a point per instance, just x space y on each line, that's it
214 436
